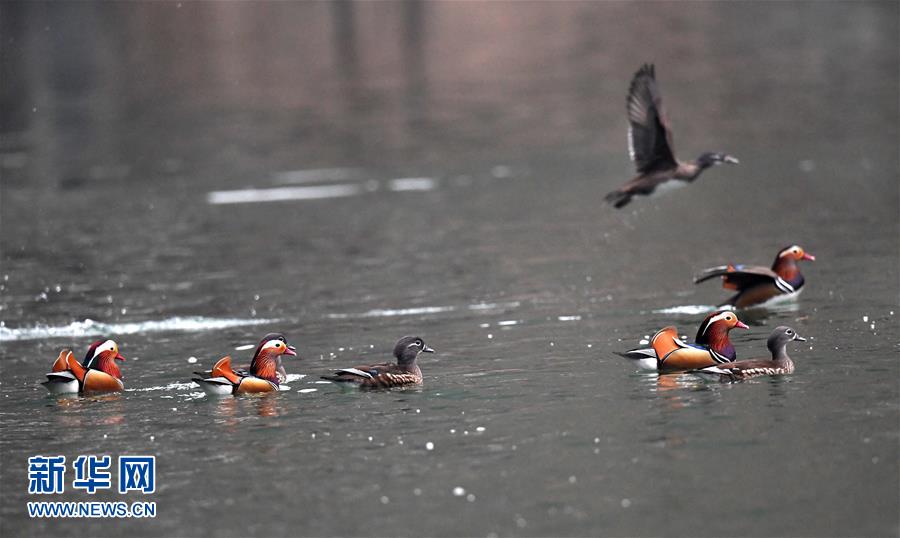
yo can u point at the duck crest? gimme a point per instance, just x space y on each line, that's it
86 362
104 361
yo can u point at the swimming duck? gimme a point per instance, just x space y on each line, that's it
779 364
650 144
711 345
264 374
756 285
98 371
386 375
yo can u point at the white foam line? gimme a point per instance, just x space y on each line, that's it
90 327
690 310
412 184
312 175
280 194
170 386
378 313
569 318
494 306
507 322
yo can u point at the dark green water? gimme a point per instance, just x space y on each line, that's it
474 144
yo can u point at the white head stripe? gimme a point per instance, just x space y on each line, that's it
715 319
109 345
271 343
788 250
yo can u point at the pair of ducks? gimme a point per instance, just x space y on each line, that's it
712 351
98 371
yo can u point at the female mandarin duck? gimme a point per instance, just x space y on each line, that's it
98 371
779 364
650 144
264 374
711 346
756 285
386 375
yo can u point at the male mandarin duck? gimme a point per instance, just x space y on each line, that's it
756 285
650 144
387 375
779 364
98 371
711 346
264 374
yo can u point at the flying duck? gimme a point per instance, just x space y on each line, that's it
779 364
711 345
650 144
387 375
264 374
98 371
756 285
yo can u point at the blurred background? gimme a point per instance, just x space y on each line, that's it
187 176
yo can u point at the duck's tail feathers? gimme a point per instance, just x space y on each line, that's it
223 369
77 369
62 362
665 341
644 358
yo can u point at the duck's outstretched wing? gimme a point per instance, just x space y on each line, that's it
649 135
739 277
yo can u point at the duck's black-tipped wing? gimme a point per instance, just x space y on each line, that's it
649 136
359 374
738 277
375 376
743 369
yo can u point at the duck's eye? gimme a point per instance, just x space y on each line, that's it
789 331
728 318
277 344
